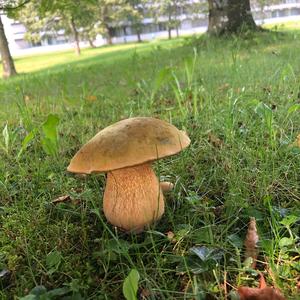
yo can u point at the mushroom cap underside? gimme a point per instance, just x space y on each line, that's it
127 143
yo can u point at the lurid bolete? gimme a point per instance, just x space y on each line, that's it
125 150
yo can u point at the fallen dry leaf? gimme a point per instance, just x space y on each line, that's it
251 241
267 293
215 141
123 82
145 293
296 143
223 87
27 99
91 98
263 292
80 175
61 199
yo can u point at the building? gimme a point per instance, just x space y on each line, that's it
151 29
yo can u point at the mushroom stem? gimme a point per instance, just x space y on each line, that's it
133 197
166 186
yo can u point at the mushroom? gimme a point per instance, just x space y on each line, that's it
166 186
133 196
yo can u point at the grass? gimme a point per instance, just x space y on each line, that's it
285 26
239 102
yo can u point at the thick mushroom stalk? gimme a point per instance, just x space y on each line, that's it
133 198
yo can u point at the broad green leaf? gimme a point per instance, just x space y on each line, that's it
285 242
50 138
29 297
58 292
38 290
202 235
53 261
205 253
130 285
119 247
235 240
289 220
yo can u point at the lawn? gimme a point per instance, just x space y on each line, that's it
239 101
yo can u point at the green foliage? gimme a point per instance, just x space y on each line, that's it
49 138
241 117
44 19
53 261
41 293
130 285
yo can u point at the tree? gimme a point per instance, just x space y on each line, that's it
7 61
135 15
261 4
38 27
112 14
229 16
43 19
170 10
8 7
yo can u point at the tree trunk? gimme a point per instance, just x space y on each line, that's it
7 61
169 32
76 36
169 22
124 34
230 16
138 34
109 40
139 37
177 31
91 42
109 35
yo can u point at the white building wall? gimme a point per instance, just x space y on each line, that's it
14 34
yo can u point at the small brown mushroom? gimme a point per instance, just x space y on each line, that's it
133 196
166 186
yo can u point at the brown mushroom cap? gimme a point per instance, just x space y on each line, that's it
127 143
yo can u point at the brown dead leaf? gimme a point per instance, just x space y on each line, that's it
123 82
61 199
251 242
223 87
185 283
91 98
80 175
267 293
145 293
215 141
296 143
267 89
263 292
27 99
